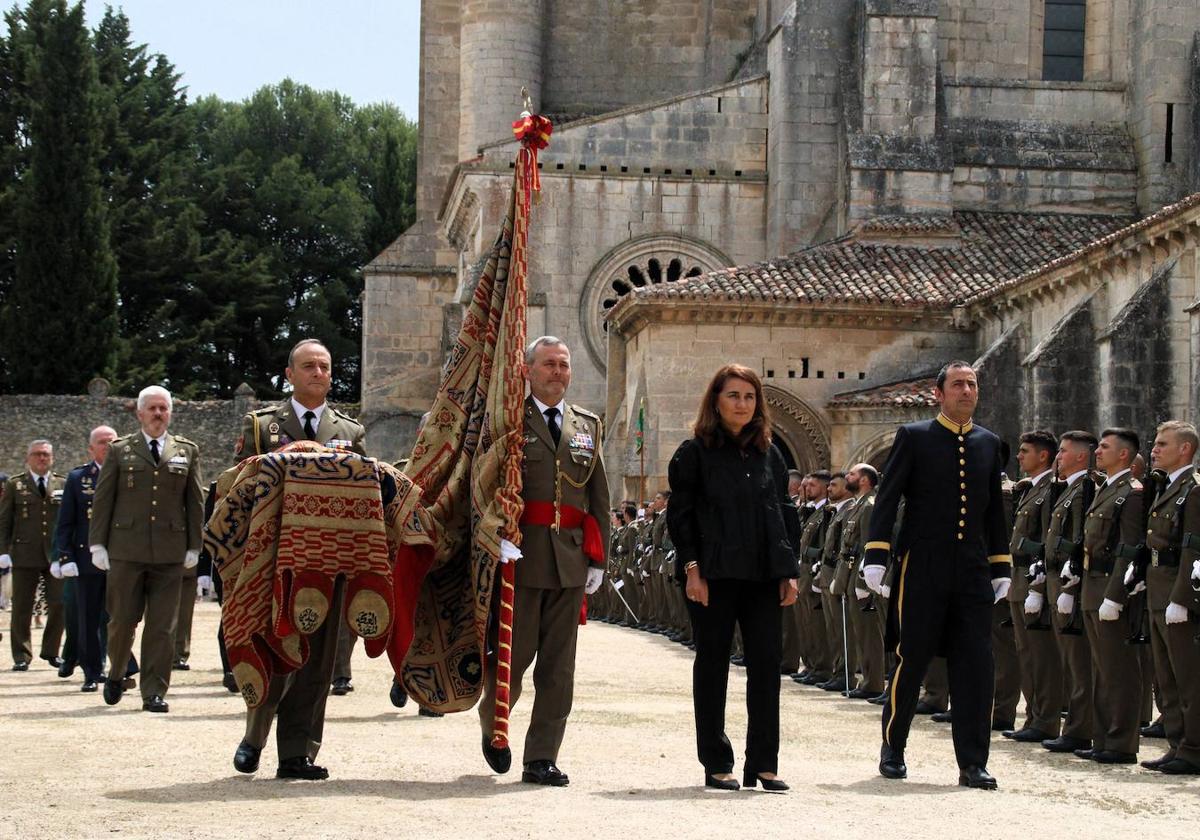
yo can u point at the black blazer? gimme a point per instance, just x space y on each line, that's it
727 512
71 529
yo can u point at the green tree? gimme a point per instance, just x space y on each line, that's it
58 325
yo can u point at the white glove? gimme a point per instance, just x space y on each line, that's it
873 575
1141 584
1065 603
885 591
100 557
56 570
1196 570
1034 602
1069 578
203 584
594 579
1000 588
5 561
190 559
816 590
508 551
70 569
861 593
1176 613
1039 580
1110 610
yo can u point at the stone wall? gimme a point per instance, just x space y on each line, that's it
992 39
1002 390
1061 381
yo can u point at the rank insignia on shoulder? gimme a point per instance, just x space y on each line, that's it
1135 484
273 428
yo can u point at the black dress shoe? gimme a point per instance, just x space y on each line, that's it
1028 735
341 686
54 661
89 687
65 670
128 683
879 699
155 703
720 784
430 713
113 689
1155 763
230 682
1088 754
544 773
891 763
1154 730
245 759
976 777
180 665
924 708
941 717
1065 744
835 684
398 695
1003 725
1113 757
300 768
498 758
1179 767
749 780
862 694
20 666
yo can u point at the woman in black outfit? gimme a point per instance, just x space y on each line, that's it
734 527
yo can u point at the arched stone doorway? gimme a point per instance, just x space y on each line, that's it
874 451
801 433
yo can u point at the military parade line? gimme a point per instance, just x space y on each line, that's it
937 586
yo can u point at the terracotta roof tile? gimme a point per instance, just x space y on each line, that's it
907 393
992 250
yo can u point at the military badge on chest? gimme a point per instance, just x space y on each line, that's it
582 448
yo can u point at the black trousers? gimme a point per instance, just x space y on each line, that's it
92 627
754 607
944 607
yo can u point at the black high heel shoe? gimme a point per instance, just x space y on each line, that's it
775 785
720 784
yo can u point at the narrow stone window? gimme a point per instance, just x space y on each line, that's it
1168 145
1062 40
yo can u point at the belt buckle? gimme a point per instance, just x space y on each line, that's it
1154 557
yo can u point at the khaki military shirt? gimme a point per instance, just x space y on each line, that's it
1172 515
1030 521
854 538
267 429
1114 520
27 519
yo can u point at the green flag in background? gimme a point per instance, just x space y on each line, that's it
640 434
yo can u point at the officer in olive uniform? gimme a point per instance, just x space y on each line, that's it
955 565
146 519
299 697
1173 538
863 609
564 482
838 632
1112 537
28 507
811 619
1037 650
1064 541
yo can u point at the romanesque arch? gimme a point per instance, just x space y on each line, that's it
874 451
800 430
643 261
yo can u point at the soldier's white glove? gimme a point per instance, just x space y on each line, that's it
861 593
1069 578
1141 584
508 551
1040 578
1000 588
594 579
1176 613
5 561
191 558
1065 603
816 590
873 576
70 569
1196 571
1110 610
100 557
1034 602
203 584
885 591
56 570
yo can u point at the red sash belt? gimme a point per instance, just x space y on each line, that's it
542 513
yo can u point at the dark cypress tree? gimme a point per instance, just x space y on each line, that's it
59 322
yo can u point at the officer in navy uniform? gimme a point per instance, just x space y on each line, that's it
955 565
298 698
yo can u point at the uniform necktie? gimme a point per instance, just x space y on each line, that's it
42 486
309 431
154 450
552 422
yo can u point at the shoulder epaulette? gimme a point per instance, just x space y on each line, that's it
580 410
265 410
1135 484
182 439
122 438
80 467
343 415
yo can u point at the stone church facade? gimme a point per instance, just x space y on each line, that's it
842 194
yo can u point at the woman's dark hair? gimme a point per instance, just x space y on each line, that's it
708 426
